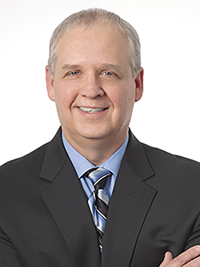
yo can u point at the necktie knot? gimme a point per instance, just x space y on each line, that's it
98 176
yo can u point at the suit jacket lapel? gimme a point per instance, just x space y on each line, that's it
129 206
67 203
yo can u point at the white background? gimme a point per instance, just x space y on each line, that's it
168 114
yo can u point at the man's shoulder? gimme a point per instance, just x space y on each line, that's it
159 158
27 163
32 160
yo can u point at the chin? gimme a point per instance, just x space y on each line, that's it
95 135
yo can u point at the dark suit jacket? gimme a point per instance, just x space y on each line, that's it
45 220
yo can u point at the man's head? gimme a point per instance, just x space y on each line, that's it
93 85
87 19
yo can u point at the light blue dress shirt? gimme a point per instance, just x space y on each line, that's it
82 165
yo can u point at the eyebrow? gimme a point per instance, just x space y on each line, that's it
69 66
113 66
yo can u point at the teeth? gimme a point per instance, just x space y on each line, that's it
91 110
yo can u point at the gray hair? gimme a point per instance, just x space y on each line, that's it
88 18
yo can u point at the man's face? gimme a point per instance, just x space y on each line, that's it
93 86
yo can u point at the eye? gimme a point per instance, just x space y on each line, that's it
108 73
74 73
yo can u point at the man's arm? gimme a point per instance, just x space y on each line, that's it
189 258
8 254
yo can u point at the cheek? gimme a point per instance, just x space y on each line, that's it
126 104
64 97
125 98
131 95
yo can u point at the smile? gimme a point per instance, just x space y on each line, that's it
92 110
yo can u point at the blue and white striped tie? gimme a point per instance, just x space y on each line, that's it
100 199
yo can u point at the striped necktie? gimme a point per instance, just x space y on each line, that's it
100 196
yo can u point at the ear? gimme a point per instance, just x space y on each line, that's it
139 85
50 84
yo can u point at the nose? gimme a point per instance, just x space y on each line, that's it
91 87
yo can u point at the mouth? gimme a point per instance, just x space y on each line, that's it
92 110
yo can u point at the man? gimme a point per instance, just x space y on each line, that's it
56 207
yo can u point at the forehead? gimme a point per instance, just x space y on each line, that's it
97 40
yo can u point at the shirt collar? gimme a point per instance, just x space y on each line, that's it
81 164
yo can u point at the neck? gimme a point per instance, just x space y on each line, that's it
97 151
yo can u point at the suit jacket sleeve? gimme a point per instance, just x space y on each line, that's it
8 254
194 238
